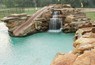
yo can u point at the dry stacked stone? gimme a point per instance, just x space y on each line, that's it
72 20
14 20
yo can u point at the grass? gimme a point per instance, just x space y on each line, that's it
30 11
8 11
91 15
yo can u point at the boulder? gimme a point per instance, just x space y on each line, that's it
64 59
66 27
69 18
87 58
14 20
93 30
46 15
83 44
82 32
82 41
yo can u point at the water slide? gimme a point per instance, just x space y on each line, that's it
20 29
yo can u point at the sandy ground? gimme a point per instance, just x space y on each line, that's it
87 9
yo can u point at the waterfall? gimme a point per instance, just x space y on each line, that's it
55 22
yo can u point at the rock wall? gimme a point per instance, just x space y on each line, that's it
84 42
75 20
84 48
72 20
14 20
83 52
40 24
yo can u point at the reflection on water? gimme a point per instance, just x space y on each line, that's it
5 45
37 49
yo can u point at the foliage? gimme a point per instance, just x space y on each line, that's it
91 15
41 3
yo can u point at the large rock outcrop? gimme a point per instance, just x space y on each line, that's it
14 20
84 49
64 59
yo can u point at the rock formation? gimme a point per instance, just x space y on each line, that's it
14 20
64 59
72 20
84 49
84 42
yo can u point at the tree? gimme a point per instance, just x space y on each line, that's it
41 3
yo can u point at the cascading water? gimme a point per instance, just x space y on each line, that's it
55 22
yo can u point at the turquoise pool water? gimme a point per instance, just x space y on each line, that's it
37 49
